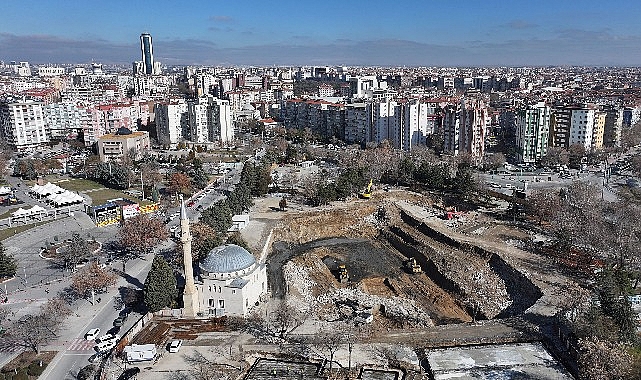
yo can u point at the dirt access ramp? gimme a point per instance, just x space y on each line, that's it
538 270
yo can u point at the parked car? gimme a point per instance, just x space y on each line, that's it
92 334
105 346
175 345
119 321
108 338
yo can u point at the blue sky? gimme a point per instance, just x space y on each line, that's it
348 32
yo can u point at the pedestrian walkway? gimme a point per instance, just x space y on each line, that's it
80 344
9 347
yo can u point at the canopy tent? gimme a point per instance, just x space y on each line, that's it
47 189
4 190
37 210
20 213
65 198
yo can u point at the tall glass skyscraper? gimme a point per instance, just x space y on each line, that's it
147 50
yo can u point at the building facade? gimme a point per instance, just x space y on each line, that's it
122 145
22 124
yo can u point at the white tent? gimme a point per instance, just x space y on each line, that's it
49 189
37 210
20 213
4 190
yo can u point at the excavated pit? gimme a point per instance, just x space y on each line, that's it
459 281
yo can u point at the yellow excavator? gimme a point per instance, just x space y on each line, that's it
368 192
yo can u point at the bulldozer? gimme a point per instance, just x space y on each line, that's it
368 192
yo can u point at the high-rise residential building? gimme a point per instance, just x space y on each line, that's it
464 126
62 120
613 126
147 51
532 132
358 120
172 121
572 125
451 129
22 124
582 127
598 130
210 120
473 125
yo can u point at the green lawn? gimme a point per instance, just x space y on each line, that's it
8 213
79 184
102 196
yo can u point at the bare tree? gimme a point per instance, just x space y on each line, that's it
72 254
602 360
329 341
203 368
286 319
140 233
93 279
35 330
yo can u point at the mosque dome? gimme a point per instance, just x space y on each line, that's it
227 258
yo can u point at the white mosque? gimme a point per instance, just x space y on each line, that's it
230 281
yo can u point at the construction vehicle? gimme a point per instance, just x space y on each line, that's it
412 266
368 192
343 276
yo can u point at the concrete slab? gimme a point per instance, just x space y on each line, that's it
521 360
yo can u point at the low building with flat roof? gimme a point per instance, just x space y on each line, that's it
123 144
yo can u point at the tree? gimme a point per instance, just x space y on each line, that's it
603 360
160 286
8 263
86 372
555 156
286 319
204 239
93 279
218 216
35 330
282 205
493 161
237 239
330 341
73 253
179 183
543 204
140 233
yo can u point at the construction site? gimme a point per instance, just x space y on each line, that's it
399 258
407 271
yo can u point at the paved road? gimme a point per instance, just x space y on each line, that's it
74 351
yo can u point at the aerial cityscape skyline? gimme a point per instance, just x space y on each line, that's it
355 33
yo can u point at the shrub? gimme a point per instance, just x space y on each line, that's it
35 369
22 375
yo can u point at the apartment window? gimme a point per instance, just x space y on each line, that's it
221 304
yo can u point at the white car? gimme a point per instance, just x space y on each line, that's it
174 229
175 345
105 346
494 185
509 186
92 334
108 338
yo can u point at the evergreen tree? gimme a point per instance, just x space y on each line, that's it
218 216
8 264
160 286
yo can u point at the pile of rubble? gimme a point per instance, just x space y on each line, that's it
324 298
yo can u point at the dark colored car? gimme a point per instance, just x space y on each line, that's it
129 373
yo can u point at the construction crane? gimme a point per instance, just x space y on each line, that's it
368 192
